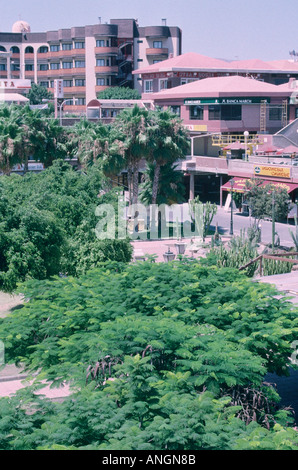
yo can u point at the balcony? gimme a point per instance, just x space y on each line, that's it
112 69
157 51
29 56
98 88
62 72
106 50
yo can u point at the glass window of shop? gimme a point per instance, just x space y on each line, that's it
196 112
275 113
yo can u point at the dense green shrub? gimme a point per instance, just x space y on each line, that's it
47 224
160 356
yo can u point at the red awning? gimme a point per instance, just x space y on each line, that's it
240 185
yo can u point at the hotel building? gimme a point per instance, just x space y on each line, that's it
87 58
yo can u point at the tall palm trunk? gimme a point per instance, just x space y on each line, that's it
155 183
135 184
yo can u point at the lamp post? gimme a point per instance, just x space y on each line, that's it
246 134
61 106
231 223
273 220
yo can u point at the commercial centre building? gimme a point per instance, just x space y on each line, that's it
239 127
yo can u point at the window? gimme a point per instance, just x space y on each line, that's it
197 113
80 82
43 49
100 62
54 48
79 45
43 67
231 112
296 113
2 49
67 65
55 66
157 44
29 50
15 67
52 84
175 110
44 84
275 113
80 101
79 63
163 84
66 47
214 113
67 83
156 61
2 67
29 67
100 81
100 43
15 50
148 86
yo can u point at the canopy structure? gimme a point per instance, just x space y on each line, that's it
240 185
291 149
13 98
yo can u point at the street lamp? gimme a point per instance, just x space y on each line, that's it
169 255
246 134
273 219
61 106
231 223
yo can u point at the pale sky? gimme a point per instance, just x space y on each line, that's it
225 29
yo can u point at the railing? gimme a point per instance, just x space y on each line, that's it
275 257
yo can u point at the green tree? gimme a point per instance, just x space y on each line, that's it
169 142
131 126
260 200
119 93
37 94
159 356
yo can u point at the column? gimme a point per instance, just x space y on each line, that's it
192 186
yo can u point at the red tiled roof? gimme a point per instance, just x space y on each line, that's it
221 86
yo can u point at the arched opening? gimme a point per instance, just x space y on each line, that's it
15 50
43 50
29 50
2 49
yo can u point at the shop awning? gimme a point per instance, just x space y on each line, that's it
240 185
13 97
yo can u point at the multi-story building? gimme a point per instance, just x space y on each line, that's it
87 58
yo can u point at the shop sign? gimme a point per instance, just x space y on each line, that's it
232 100
15 84
278 172
58 89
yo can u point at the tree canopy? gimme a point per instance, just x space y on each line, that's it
119 93
47 224
159 357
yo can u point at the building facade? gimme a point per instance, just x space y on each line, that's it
87 58
191 67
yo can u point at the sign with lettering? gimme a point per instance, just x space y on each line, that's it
17 84
58 89
231 100
279 172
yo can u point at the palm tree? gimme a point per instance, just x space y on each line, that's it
10 139
132 127
169 142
